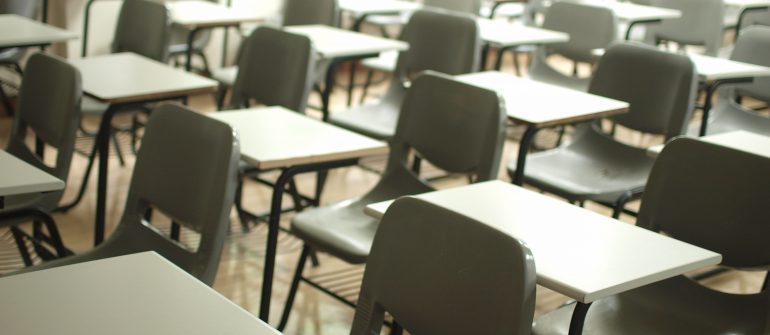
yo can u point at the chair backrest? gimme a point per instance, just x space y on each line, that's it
275 68
439 272
713 197
755 18
458 127
440 41
144 28
49 105
660 87
472 7
700 24
303 12
753 46
186 168
589 28
26 8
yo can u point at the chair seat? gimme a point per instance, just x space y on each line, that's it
91 106
376 120
226 75
597 169
674 306
729 116
341 229
386 62
545 73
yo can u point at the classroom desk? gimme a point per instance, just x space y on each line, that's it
196 15
141 293
19 177
539 105
127 81
274 137
361 9
715 72
740 140
505 35
635 14
18 32
581 254
339 45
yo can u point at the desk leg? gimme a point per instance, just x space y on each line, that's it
710 90
103 148
328 87
274 224
521 161
188 54
578 318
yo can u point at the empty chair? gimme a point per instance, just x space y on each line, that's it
276 68
753 46
295 12
589 28
439 272
439 41
706 195
594 166
54 121
701 24
144 28
186 169
438 113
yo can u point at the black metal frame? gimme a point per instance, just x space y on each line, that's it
710 89
330 76
38 238
578 318
286 176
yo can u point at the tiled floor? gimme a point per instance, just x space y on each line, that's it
241 266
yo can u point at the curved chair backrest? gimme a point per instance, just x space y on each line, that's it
26 8
49 105
660 87
713 197
753 46
457 127
589 28
275 68
700 24
439 272
144 28
440 41
187 169
755 18
472 7
303 12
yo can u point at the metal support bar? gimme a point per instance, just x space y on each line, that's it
710 90
274 224
521 161
578 318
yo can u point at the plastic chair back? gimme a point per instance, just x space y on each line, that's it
439 272
26 8
713 197
187 168
276 68
589 27
700 24
753 46
304 12
660 87
472 7
456 126
439 41
49 106
144 28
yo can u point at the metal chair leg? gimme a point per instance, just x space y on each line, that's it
293 288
